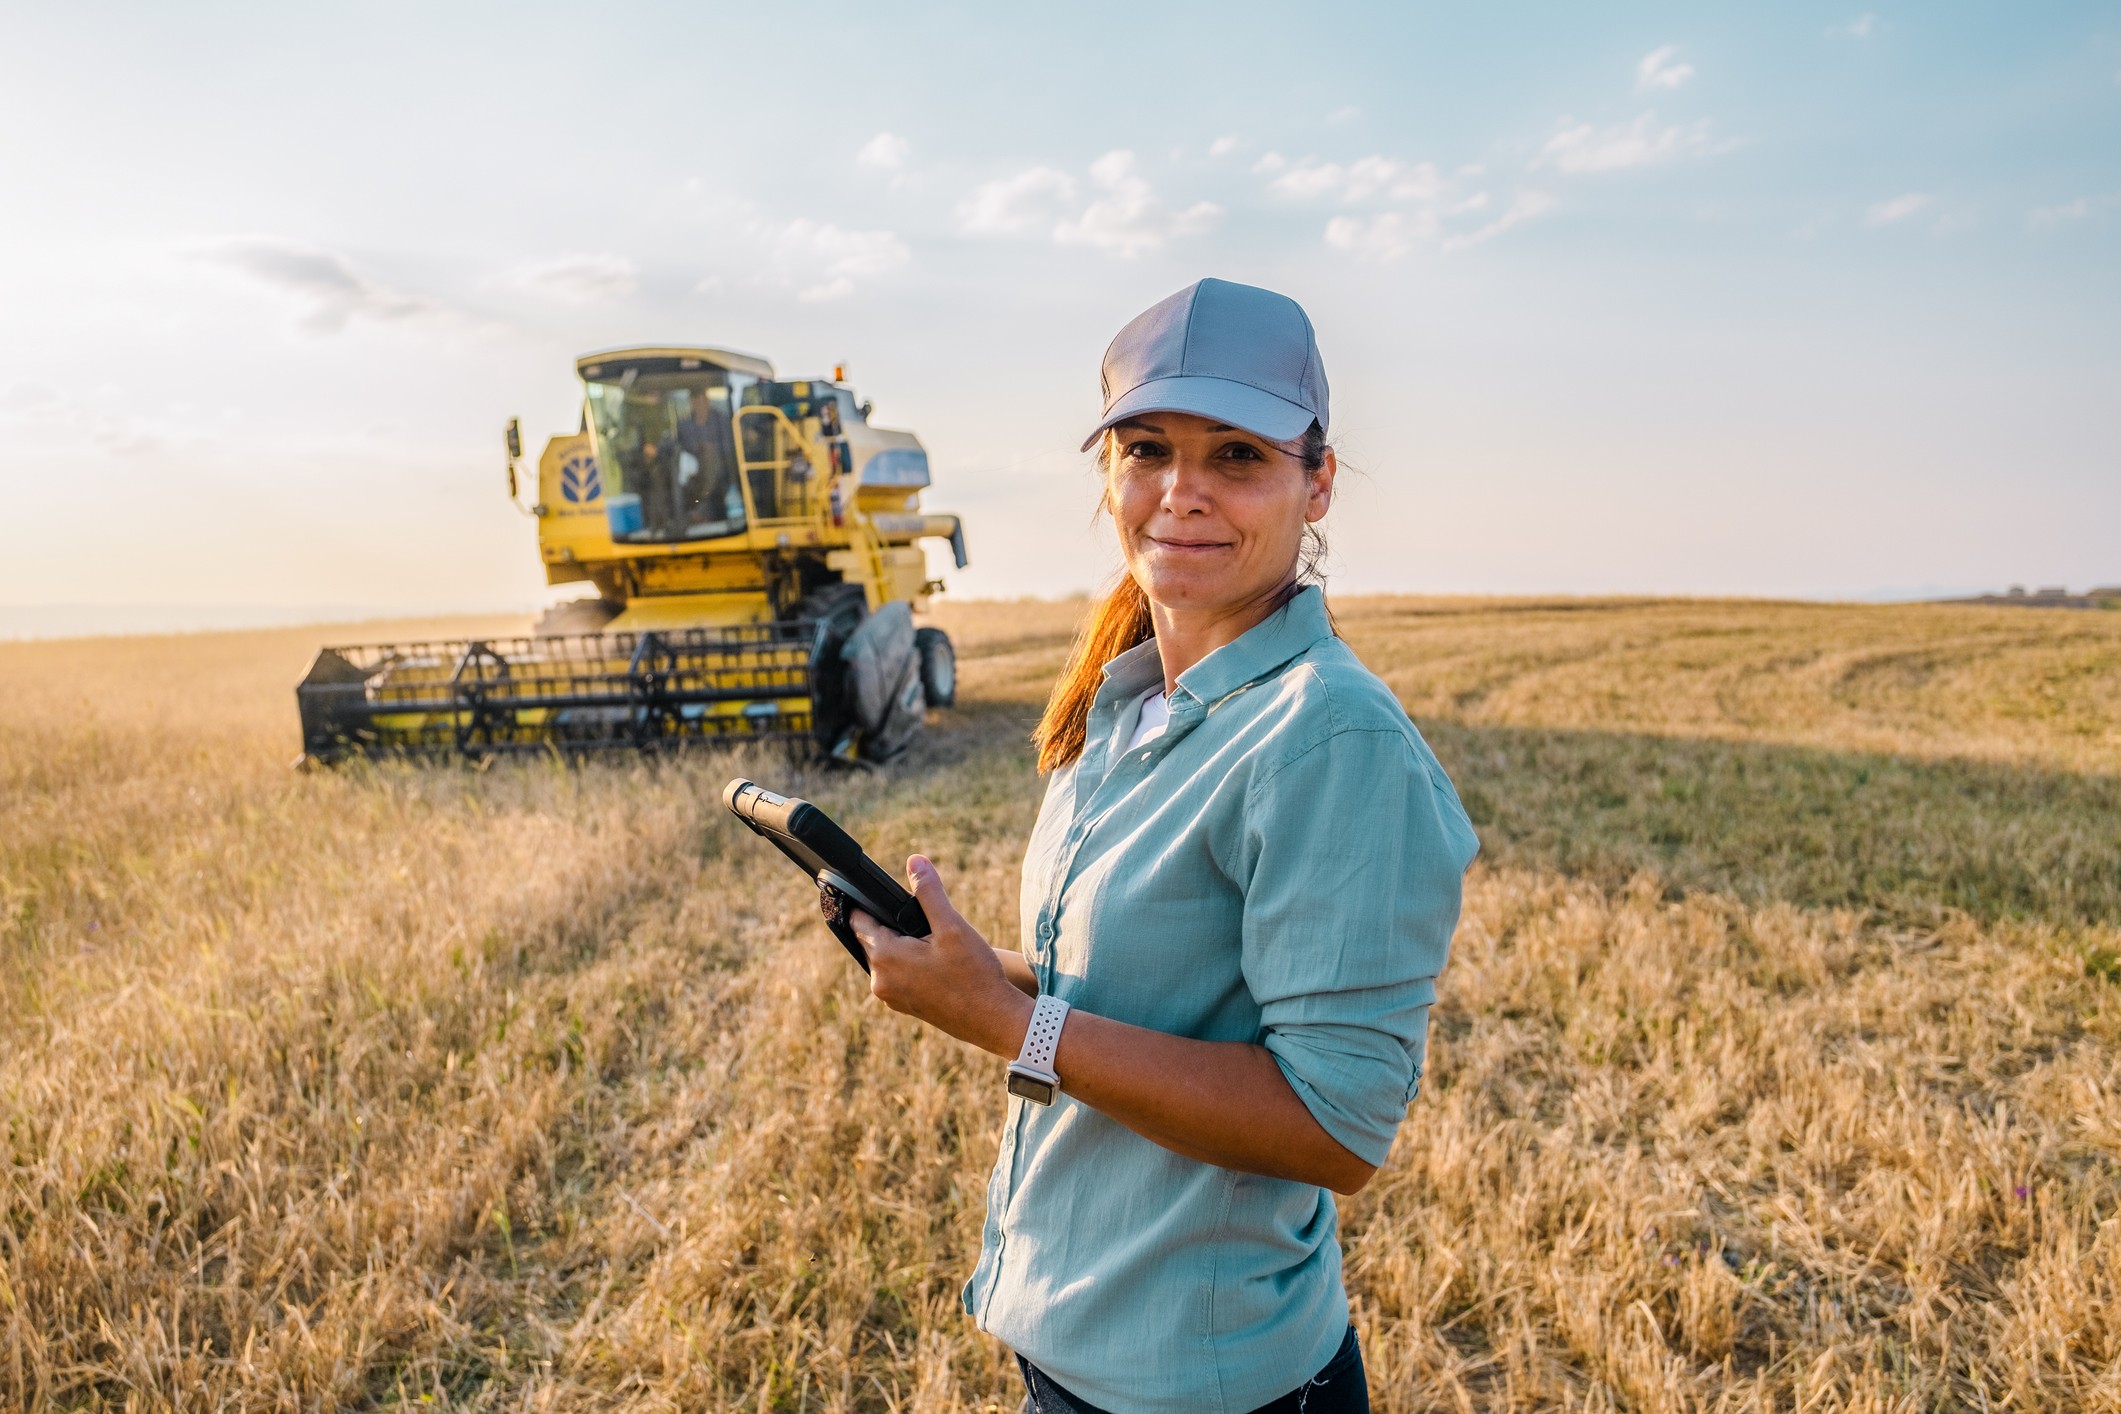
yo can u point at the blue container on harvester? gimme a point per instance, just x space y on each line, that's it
625 514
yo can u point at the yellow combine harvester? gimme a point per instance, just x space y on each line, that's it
752 542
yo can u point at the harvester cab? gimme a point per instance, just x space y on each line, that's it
754 547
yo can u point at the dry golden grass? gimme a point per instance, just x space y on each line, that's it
1779 1065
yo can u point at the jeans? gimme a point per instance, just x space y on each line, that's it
1339 1388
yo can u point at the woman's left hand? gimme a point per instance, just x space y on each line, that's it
951 979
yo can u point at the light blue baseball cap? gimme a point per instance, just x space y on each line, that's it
1235 353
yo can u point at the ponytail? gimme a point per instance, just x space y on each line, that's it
1116 623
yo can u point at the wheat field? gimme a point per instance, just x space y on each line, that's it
1778 1066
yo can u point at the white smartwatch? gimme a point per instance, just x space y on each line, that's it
1031 1074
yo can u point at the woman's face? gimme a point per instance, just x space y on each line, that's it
1210 518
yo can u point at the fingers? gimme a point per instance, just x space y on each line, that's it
866 929
877 941
928 891
875 937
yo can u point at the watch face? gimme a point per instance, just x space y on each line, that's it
1038 1092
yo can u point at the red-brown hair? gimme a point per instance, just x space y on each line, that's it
1120 619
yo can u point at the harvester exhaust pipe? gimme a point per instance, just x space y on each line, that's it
897 525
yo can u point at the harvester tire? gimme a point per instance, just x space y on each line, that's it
938 666
839 606
884 681
839 609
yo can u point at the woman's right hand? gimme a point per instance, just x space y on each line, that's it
953 979
1222 1102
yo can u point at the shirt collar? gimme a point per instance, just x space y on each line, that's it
1133 672
1282 635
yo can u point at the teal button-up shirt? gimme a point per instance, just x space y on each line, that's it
1282 866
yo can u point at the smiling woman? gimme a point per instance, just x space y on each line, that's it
1236 901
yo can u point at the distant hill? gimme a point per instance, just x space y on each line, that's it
2105 596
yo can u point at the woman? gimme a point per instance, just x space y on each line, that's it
1238 895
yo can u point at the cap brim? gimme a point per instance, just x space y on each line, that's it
1239 404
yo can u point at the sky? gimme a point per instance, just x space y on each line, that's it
1789 300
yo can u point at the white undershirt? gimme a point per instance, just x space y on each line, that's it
1155 716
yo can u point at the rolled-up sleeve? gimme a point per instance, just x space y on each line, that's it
1357 851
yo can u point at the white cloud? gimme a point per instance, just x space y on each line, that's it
1898 208
1386 236
1527 205
35 416
1364 179
324 280
1660 69
1580 147
1862 27
1127 219
1392 235
886 151
1225 145
2041 217
833 258
1016 205
27 401
572 279
818 260
1427 209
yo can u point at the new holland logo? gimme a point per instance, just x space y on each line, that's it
578 478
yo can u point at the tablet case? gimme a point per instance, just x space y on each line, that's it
846 878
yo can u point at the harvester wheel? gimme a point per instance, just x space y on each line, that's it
938 666
840 609
841 606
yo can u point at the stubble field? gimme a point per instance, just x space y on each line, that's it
1778 1065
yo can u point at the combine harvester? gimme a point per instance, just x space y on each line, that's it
753 546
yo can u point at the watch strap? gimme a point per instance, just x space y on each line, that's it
1042 1037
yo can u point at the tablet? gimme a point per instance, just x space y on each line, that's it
845 877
